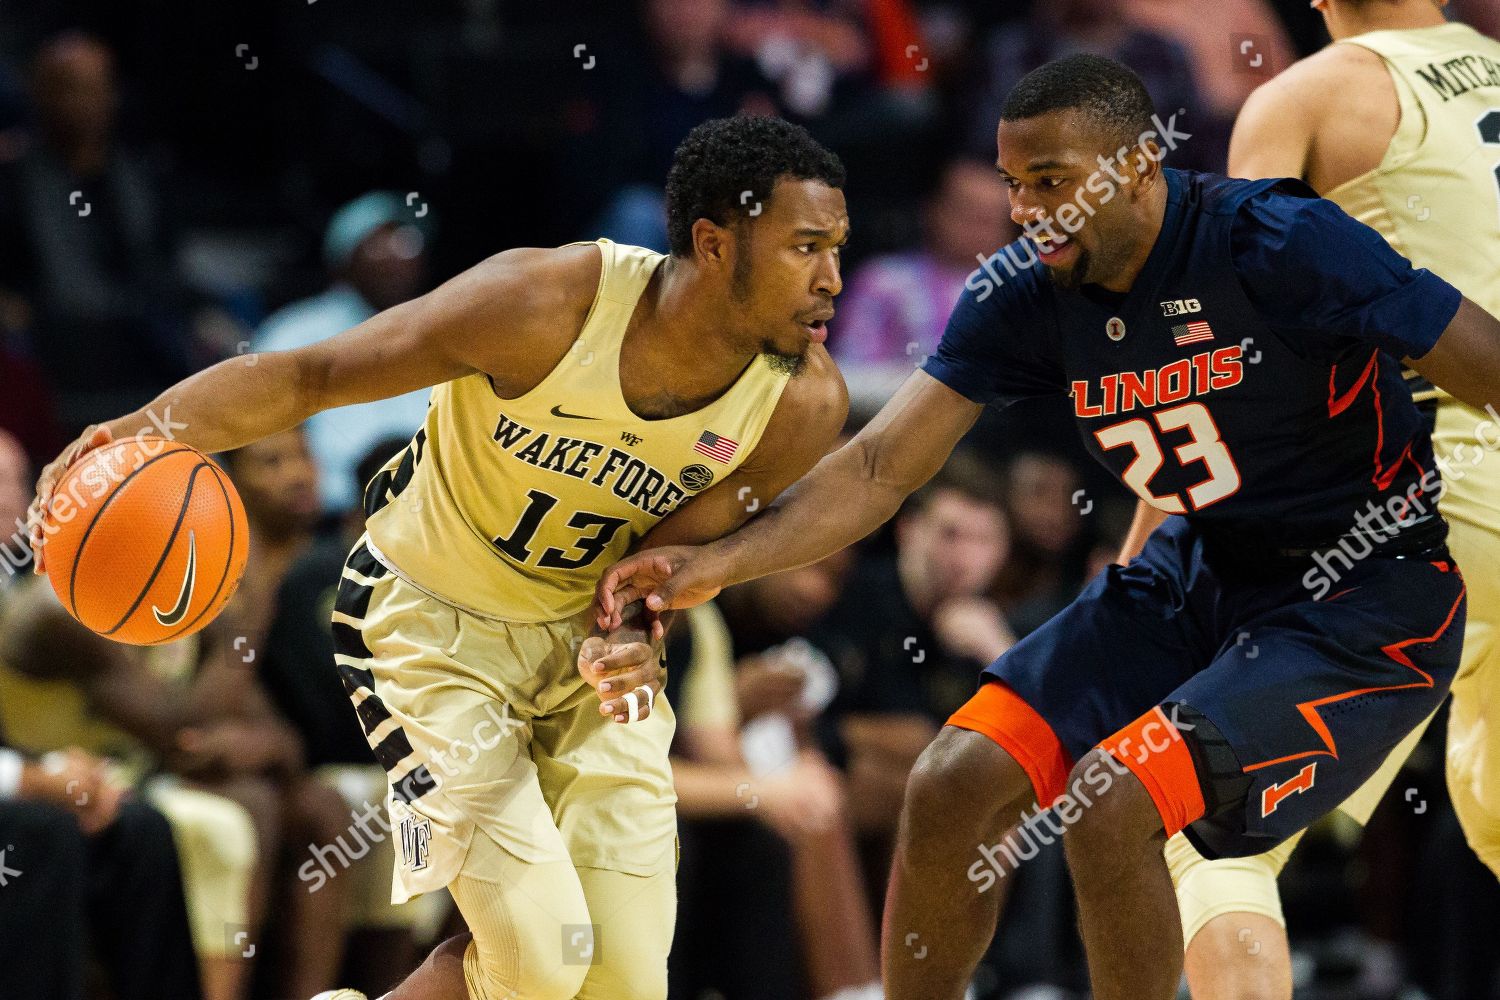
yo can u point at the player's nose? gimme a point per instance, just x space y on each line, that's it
828 280
1023 212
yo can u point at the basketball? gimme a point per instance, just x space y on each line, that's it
145 540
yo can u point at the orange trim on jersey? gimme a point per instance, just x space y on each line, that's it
1001 714
1395 651
1338 404
1154 751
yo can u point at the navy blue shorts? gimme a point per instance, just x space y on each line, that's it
1247 706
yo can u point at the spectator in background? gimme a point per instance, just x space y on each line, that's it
1234 47
893 312
278 482
652 96
910 634
84 240
377 252
1482 15
781 685
87 877
1102 27
235 787
807 46
1049 553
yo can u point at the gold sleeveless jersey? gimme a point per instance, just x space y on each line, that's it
512 508
1436 198
1436 195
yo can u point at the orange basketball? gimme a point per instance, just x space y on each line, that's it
145 540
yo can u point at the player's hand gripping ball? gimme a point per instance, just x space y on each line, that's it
145 540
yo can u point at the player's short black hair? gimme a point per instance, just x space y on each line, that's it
725 157
1109 93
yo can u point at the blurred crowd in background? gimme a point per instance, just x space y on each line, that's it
183 183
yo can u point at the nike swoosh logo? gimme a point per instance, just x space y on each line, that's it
184 596
557 412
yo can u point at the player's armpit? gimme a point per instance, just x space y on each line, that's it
1466 359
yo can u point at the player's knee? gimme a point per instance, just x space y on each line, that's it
529 974
963 778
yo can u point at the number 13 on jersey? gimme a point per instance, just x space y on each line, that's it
1203 445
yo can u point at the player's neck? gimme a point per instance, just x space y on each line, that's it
681 339
1384 17
1153 213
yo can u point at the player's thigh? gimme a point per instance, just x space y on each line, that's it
1289 729
1128 640
454 750
531 925
609 784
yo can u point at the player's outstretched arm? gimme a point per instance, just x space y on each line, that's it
491 318
846 496
1466 359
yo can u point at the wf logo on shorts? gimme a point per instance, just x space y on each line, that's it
416 831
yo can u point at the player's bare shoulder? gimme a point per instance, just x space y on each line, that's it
516 314
808 416
1327 118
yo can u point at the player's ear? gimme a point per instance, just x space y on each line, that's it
1145 164
713 244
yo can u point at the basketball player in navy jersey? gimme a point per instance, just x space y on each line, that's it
1232 350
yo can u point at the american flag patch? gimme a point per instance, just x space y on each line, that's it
720 449
1192 333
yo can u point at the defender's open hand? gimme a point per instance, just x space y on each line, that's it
668 578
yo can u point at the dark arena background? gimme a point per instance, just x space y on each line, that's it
182 183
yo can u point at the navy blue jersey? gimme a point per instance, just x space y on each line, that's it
1250 379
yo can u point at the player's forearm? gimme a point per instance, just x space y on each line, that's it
1466 358
230 404
839 502
1147 519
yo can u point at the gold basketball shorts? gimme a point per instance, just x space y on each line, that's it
486 725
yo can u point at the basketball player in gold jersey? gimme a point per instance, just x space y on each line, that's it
588 399
1399 123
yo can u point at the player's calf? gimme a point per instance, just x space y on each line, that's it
964 793
1114 848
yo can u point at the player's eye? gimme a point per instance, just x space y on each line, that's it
807 248
1052 182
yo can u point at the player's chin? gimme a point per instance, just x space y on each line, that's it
1068 274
